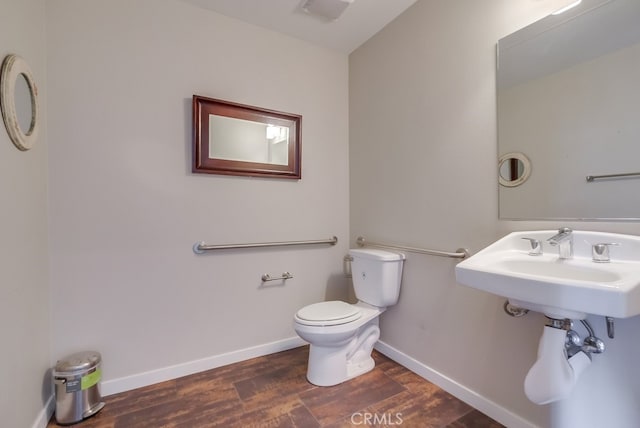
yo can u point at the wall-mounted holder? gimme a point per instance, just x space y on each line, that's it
285 275
513 310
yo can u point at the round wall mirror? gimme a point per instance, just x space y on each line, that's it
19 102
513 169
22 99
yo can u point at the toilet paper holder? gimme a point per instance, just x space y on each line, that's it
285 275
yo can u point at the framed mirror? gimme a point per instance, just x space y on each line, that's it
569 97
236 139
19 102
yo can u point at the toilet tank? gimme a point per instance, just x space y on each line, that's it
376 276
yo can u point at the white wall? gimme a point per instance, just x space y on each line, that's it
423 172
24 264
126 209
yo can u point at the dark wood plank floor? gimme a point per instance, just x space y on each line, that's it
272 391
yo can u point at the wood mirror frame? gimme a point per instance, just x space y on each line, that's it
206 162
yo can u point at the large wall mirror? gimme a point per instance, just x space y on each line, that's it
569 100
236 139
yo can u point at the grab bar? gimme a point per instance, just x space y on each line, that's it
460 253
201 247
591 178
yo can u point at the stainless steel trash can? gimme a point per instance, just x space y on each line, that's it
77 384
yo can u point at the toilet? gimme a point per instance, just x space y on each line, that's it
342 335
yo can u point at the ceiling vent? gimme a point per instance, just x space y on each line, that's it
329 9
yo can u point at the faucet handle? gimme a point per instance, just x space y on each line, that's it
536 246
600 252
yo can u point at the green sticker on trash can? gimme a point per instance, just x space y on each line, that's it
91 379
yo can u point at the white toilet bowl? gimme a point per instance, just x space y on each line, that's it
342 337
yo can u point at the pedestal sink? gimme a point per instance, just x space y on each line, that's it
582 273
559 288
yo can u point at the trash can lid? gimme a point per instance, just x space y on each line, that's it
80 361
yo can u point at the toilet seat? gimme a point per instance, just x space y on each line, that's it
334 312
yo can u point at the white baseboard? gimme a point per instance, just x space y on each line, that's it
475 400
45 414
139 380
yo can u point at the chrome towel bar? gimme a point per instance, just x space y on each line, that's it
201 247
591 178
460 253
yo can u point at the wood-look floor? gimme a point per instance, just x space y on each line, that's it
272 391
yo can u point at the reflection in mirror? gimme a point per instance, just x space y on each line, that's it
263 143
23 103
236 139
569 97
513 169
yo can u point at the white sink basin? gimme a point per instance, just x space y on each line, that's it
568 288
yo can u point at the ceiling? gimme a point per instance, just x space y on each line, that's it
361 20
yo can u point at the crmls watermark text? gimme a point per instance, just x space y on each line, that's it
376 418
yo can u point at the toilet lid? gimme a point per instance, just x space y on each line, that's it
328 313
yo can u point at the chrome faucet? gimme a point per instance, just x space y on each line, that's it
564 240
